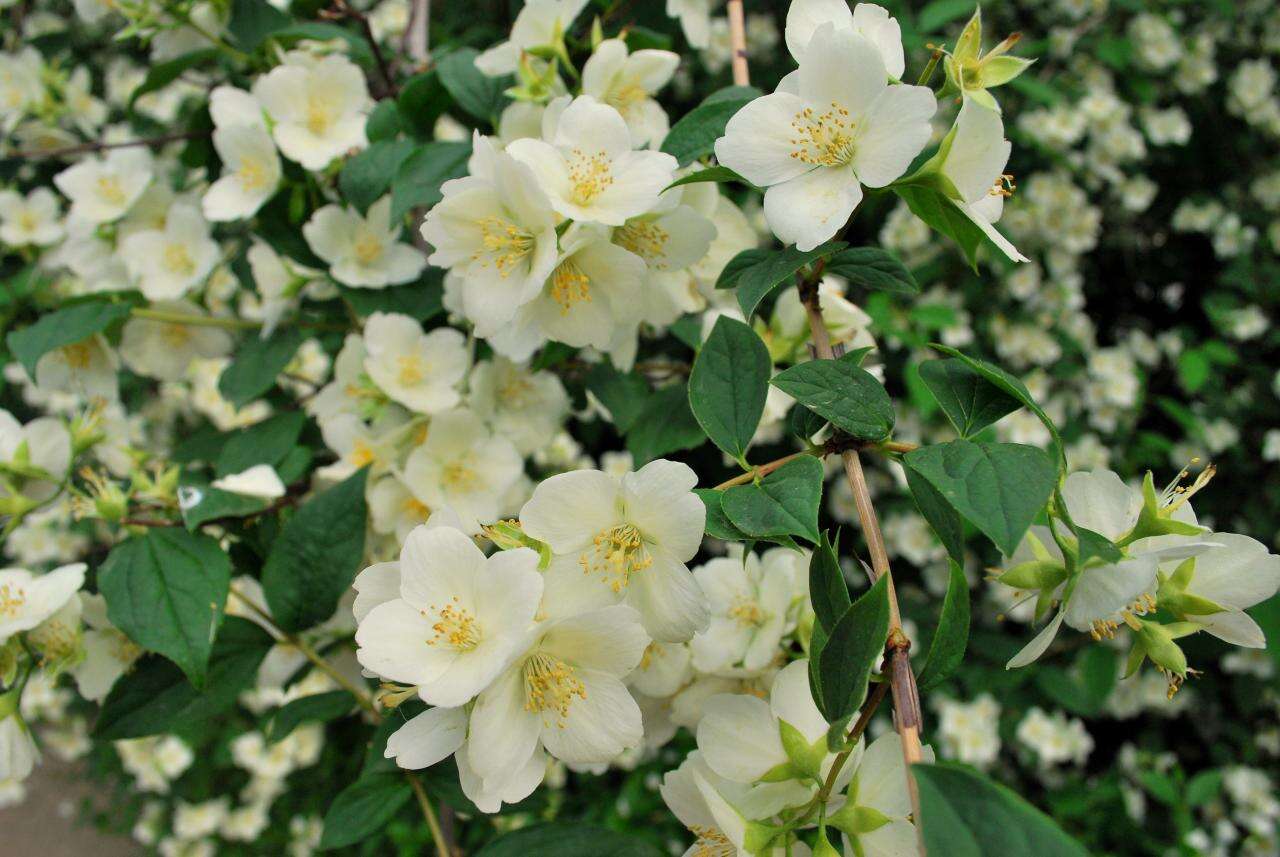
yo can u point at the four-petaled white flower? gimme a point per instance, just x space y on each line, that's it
32 220
833 126
626 539
318 107
587 165
363 252
250 165
170 261
164 349
541 23
457 620
28 599
103 189
1237 573
868 20
419 370
627 81
749 599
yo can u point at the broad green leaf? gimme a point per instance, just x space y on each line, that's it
253 21
417 181
200 503
998 487
256 365
969 400
942 517
842 392
827 589
363 809
155 697
964 814
367 176
873 268
719 175
161 75
473 90
804 423
383 123
756 273
166 590
267 442
316 555
422 100
1093 545
694 135
851 649
321 707
938 13
1011 385
718 525
65 326
1203 788
937 210
728 385
623 394
665 425
568 839
421 300
784 503
1083 689
946 650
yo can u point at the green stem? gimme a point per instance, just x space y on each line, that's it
169 317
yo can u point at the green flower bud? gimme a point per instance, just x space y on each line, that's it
971 73
1036 574
805 759
855 820
1157 642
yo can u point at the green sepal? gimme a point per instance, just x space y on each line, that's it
758 836
806 758
1158 644
1035 574
855 820
1155 520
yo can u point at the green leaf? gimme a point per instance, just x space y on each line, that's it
317 555
840 391
200 503
253 21
422 100
65 326
695 135
665 425
256 365
1203 788
804 423
1083 689
160 76
417 181
946 650
873 268
166 590
356 46
363 809
718 524
851 650
383 123
937 210
623 394
944 519
267 442
473 90
781 504
421 300
321 707
367 176
998 487
827 589
1160 786
964 814
568 839
154 697
1011 385
970 401
728 385
756 273
1194 369
1093 545
710 174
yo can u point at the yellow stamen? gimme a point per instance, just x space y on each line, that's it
504 243
411 370
646 239
110 190
367 246
79 355
823 140
550 685
618 553
11 599
569 285
589 176
177 259
455 627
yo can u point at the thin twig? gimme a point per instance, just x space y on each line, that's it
763 469
417 35
738 42
100 146
341 9
429 813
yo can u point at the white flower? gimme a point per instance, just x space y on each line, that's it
164 349
250 166
318 107
363 252
669 242
1239 573
277 284
419 370
976 155
43 443
260 481
21 85
108 653
626 539
522 406
459 619
564 693
28 599
463 467
627 83
32 220
497 228
342 394
833 126
695 20
664 669
393 508
103 189
587 167
748 598
875 814
171 261
18 753
868 20
86 369
541 23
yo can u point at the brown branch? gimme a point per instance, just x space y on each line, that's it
99 146
738 42
341 9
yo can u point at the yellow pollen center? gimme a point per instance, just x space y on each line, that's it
27 221
1004 185
78 355
319 114
625 95
569 286
617 554
460 476
362 454
455 627
747 612
177 260
252 174
175 335
711 843
823 140
11 599
550 686
415 508
589 176
646 239
503 243
411 370
368 248
110 190
515 391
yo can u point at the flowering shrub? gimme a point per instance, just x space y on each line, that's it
550 442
